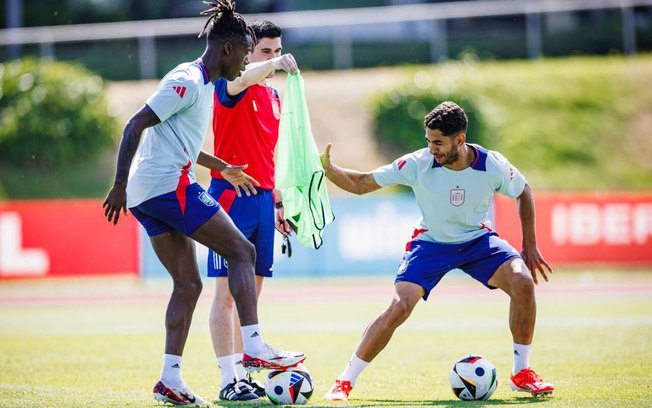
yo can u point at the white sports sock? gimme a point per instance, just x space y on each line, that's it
226 365
171 373
521 356
252 339
353 369
239 368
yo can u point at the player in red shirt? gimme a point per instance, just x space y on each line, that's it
246 117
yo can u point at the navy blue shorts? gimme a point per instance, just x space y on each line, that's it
167 212
425 263
254 217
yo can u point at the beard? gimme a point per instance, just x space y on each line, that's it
452 156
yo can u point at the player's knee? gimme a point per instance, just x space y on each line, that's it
244 252
189 288
522 285
225 301
398 313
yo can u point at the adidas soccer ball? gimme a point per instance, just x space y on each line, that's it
473 377
289 387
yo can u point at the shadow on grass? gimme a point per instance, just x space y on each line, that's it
398 403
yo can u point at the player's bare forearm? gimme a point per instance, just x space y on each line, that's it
353 181
143 119
116 200
349 180
527 214
211 162
256 72
531 255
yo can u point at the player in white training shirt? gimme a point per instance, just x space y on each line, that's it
161 192
454 183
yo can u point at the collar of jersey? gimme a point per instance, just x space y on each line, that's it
204 71
478 164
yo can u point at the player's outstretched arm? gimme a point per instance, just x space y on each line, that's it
530 253
116 199
349 180
235 175
256 72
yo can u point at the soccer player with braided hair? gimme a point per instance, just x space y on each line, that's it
155 180
453 183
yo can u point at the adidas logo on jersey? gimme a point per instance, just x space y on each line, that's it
180 90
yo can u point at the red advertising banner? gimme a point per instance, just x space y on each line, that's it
585 227
64 238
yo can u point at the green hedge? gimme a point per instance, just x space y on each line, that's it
578 123
53 119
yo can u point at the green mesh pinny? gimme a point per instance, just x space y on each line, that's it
299 173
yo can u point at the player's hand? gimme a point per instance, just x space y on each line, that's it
240 180
325 157
535 263
282 225
115 202
286 62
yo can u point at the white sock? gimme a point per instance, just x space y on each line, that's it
226 365
521 356
252 339
353 369
239 368
171 373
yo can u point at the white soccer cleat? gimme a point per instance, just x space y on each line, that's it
177 395
271 359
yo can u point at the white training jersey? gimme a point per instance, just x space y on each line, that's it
168 151
454 204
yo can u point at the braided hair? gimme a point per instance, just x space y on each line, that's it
448 118
223 22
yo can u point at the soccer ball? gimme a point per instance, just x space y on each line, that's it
473 377
289 387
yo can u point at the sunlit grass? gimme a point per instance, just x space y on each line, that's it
593 341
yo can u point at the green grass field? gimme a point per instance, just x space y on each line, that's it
97 342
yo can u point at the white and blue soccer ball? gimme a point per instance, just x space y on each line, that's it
473 377
289 387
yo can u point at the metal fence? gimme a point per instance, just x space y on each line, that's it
341 26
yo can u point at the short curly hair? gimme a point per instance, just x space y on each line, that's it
448 118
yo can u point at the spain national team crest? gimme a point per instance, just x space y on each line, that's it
207 200
457 196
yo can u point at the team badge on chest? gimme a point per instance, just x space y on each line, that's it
457 196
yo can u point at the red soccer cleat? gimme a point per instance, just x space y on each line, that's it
339 391
527 380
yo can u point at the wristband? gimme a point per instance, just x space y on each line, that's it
279 204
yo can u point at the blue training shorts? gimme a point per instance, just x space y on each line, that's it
166 212
425 263
254 217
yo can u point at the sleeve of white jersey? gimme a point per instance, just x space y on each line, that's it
402 171
175 93
511 181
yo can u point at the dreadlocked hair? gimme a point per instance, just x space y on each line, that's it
223 21
448 118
